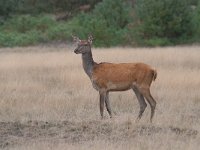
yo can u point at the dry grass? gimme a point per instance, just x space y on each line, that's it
47 101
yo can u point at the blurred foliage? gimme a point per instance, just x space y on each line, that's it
196 22
112 23
171 24
42 6
114 13
109 29
193 2
107 23
25 30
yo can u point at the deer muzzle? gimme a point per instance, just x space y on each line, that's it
76 51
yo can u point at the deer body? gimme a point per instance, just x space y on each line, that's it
108 77
121 77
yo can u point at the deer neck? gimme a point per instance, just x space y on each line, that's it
88 63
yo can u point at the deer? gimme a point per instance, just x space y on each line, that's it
110 77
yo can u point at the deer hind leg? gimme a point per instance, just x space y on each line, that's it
101 102
141 101
146 93
107 101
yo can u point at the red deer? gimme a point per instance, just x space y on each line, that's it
108 77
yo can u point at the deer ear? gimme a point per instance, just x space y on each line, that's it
75 38
90 38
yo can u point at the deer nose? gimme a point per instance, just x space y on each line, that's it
76 51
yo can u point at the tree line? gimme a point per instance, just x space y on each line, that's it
112 23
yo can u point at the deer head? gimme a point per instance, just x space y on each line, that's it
83 46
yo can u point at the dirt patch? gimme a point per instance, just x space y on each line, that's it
12 133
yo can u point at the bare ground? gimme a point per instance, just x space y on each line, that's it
15 133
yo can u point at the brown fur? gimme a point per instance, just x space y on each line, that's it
124 74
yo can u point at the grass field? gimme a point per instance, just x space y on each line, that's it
47 102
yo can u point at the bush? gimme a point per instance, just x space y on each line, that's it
20 39
112 23
42 6
196 23
114 13
25 23
25 30
163 19
7 7
157 42
59 32
107 22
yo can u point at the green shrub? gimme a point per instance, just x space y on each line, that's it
163 19
25 30
196 22
107 23
193 2
59 32
20 39
7 7
112 23
25 23
42 6
157 42
115 13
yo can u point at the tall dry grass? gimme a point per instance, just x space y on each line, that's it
43 84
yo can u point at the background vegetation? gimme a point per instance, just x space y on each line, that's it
112 23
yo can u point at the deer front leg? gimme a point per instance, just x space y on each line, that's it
101 104
107 101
